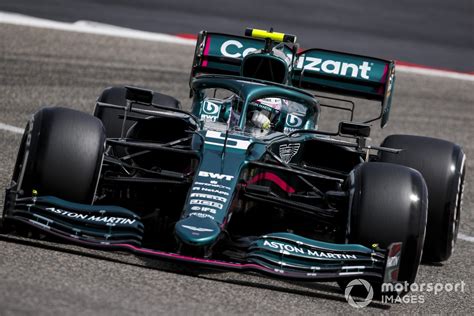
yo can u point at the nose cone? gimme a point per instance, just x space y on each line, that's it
197 231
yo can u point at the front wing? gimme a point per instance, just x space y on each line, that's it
282 255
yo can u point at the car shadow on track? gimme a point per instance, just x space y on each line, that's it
313 289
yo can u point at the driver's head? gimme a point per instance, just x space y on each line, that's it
265 112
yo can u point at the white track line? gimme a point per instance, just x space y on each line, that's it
17 130
434 72
111 30
10 128
91 28
465 237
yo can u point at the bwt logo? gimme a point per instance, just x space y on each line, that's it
216 176
334 67
294 120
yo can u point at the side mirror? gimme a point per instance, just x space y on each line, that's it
354 129
139 95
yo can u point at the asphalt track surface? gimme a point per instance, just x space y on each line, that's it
435 33
46 67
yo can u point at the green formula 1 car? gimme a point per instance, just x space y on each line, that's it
246 180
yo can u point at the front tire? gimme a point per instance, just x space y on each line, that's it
389 204
60 154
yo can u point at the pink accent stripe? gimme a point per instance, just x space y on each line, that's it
206 50
208 44
381 89
274 178
384 76
197 260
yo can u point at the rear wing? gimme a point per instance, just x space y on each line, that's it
314 69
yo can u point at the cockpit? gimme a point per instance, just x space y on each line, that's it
253 108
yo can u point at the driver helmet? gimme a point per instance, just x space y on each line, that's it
265 112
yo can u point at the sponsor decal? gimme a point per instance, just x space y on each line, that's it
208 118
220 186
235 49
362 69
209 196
232 45
215 191
288 151
108 220
203 209
210 108
217 176
334 67
219 192
304 251
293 122
210 111
207 203
201 215
197 229
208 209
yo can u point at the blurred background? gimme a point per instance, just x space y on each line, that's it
434 33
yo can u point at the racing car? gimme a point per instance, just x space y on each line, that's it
246 180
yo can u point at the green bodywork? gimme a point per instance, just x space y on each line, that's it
225 154
314 69
220 166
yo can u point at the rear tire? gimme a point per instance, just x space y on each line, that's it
389 204
60 154
442 165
